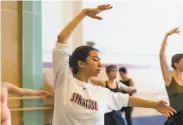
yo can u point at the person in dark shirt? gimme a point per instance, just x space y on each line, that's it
173 80
126 80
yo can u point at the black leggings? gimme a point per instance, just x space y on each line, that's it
128 113
113 118
177 119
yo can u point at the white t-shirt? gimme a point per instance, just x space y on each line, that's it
76 102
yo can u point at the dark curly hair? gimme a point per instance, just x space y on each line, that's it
80 53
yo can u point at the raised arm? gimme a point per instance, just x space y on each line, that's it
160 106
164 66
117 100
91 12
24 91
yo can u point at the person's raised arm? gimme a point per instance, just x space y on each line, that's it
164 66
117 100
91 12
24 91
160 106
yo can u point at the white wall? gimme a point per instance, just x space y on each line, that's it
55 16
132 31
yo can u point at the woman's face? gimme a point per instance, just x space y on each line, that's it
179 65
112 74
122 74
92 66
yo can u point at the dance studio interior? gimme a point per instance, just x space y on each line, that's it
129 35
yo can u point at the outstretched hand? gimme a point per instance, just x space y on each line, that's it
92 12
164 109
173 31
43 93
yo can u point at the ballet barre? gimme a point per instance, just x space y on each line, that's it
28 97
31 109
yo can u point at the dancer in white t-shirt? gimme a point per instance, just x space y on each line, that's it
77 102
